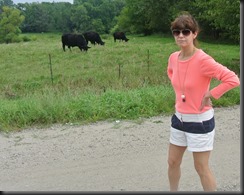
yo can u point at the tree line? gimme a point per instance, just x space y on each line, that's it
218 19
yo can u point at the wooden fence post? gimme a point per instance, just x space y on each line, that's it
51 70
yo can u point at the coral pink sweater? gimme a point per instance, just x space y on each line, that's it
193 80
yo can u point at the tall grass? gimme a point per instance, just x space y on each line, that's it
116 81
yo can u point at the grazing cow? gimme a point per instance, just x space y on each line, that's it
120 36
74 40
93 37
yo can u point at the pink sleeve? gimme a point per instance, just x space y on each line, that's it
228 78
169 72
169 68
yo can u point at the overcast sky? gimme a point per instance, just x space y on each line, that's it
31 1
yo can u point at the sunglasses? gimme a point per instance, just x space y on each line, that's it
185 32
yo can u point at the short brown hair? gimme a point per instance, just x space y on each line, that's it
185 21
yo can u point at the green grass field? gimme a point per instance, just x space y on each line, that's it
41 84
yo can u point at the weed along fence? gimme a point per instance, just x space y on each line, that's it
148 64
117 73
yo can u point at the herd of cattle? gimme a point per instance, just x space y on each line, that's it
82 40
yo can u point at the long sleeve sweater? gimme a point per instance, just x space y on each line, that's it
192 77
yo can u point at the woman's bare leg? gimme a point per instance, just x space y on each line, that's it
201 162
175 155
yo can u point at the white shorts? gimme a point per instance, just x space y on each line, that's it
194 142
195 131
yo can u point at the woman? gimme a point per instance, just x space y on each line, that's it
192 126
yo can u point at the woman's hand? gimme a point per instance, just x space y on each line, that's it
206 100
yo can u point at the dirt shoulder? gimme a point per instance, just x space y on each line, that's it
113 156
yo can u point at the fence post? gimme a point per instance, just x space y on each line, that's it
51 70
148 60
119 71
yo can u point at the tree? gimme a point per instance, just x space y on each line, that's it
132 17
10 21
217 18
145 16
61 13
8 3
220 17
46 17
101 13
80 19
37 18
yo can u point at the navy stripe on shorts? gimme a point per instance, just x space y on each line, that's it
193 127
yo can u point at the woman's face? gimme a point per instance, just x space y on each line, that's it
184 37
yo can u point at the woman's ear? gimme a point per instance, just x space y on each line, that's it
195 34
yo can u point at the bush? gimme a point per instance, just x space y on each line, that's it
26 39
16 39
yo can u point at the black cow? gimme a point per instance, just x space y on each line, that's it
93 37
120 36
74 40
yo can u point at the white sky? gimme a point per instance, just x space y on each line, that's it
31 1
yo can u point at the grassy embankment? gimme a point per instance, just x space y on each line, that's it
116 81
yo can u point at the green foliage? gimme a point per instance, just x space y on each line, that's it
37 18
26 38
101 14
10 21
116 81
65 17
218 18
221 18
8 3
